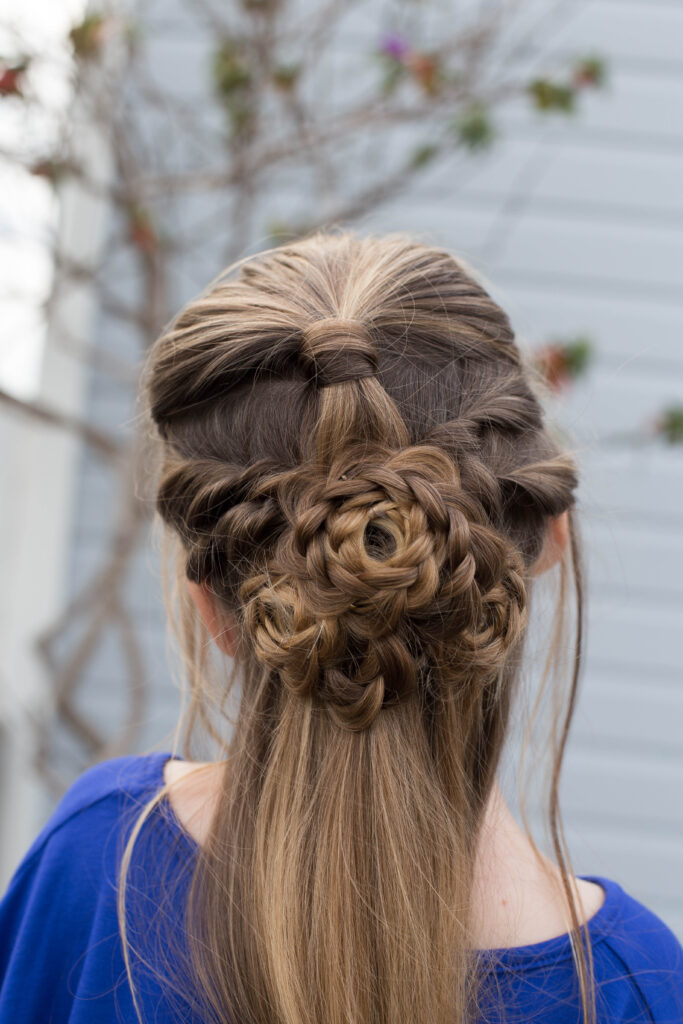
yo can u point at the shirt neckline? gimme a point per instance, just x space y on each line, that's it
536 954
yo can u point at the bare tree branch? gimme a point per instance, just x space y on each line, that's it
232 144
104 444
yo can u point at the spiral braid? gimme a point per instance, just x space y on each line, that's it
386 563
384 557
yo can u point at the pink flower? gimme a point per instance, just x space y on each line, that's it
394 45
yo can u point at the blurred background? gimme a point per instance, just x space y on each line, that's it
145 145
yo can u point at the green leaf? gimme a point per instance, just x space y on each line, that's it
393 73
241 113
86 37
474 127
230 70
285 76
423 155
578 354
260 6
547 95
590 70
671 424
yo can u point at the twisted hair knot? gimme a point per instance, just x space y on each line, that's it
387 568
336 349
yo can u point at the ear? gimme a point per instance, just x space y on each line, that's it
555 544
219 623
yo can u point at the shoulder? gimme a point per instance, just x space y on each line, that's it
637 967
642 946
58 918
641 936
101 797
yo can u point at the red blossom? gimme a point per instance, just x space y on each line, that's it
141 231
552 363
425 70
11 79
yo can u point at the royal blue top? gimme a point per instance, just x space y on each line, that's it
61 956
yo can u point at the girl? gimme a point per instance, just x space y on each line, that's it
356 473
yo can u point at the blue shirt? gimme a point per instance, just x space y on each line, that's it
61 957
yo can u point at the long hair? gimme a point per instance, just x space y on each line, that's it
353 458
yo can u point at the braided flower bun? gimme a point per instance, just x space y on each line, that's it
357 465
388 566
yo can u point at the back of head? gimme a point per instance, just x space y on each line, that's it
356 464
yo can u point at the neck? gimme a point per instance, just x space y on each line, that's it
517 896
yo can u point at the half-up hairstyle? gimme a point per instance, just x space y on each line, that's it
353 459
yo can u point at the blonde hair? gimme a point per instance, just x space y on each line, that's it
352 457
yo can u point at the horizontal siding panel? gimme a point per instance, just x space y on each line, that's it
646 866
542 247
461 177
639 483
645 31
458 227
142 582
629 714
96 499
643 185
634 255
624 852
645 333
625 787
103 701
626 634
628 558
617 404
573 179
107 660
574 282
631 106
